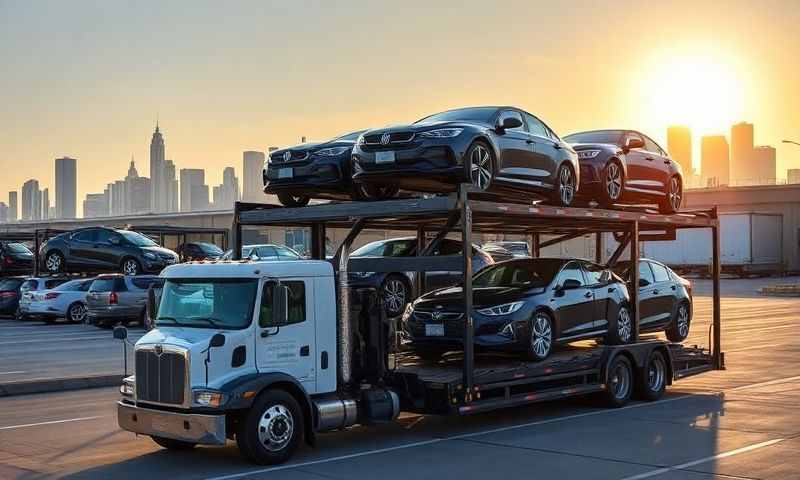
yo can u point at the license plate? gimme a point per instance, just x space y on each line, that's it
384 157
285 173
160 425
434 330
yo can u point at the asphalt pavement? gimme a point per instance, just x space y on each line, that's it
740 423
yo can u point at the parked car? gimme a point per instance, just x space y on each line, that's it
199 251
116 298
518 249
626 166
525 305
314 170
98 249
15 258
665 299
499 149
67 300
32 286
269 251
397 287
10 294
498 253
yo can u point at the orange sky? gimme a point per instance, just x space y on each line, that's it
87 79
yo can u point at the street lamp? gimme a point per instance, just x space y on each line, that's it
792 142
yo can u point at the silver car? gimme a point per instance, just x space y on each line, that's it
117 299
67 300
30 288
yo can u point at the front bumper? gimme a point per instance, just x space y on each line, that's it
186 427
433 166
327 175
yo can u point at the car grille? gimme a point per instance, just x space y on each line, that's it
160 378
453 322
279 157
394 137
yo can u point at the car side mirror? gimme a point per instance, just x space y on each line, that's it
570 284
281 305
509 123
253 257
632 143
120 332
643 282
217 341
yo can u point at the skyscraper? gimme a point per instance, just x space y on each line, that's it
252 176
66 187
764 165
137 192
13 207
171 186
743 171
228 191
31 201
714 161
45 215
192 179
792 176
3 212
96 205
158 193
679 145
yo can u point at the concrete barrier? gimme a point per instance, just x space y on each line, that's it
27 387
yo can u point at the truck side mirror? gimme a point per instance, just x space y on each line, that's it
281 306
120 332
152 305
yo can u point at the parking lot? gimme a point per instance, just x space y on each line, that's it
739 423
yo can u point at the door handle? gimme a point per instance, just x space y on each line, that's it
650 159
667 162
305 351
557 146
655 292
528 141
588 294
673 287
610 290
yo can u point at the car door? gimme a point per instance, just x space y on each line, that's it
441 279
515 148
289 348
640 165
647 301
107 253
659 167
82 248
546 151
663 295
266 253
597 281
574 307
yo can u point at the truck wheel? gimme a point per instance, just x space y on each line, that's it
172 444
653 380
271 431
620 382
621 329
678 328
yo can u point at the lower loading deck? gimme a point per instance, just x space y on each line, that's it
428 386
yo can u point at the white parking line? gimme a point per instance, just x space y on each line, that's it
12 373
52 422
730 453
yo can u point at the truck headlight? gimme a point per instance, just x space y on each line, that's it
207 398
128 387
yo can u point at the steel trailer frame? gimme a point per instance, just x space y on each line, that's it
473 211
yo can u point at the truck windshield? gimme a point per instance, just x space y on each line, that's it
203 303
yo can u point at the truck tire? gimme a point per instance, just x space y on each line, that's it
653 379
172 444
619 385
272 429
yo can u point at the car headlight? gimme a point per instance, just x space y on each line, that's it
207 398
128 386
588 153
360 274
505 309
149 256
332 151
441 133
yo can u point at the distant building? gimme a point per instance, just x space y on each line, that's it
714 161
191 193
13 208
743 170
137 192
171 186
679 145
764 165
3 212
252 176
31 201
158 190
227 193
66 187
45 204
793 175
96 205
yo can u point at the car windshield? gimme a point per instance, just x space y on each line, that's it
350 136
103 285
207 303
137 239
479 114
518 274
18 248
210 248
602 136
8 284
391 248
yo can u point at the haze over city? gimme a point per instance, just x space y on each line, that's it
90 83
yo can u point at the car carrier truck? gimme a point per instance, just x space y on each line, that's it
270 354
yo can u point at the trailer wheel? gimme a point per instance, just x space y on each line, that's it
172 444
620 382
653 379
272 429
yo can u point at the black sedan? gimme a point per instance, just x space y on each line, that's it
10 294
665 299
315 170
498 149
199 251
397 287
525 305
97 249
15 258
626 166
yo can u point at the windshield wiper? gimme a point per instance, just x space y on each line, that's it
170 319
214 322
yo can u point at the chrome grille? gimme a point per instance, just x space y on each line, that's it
161 378
453 322
294 156
394 137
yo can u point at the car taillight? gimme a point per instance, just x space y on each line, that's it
8 294
8 261
112 298
51 295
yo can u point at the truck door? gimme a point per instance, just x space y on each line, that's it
289 348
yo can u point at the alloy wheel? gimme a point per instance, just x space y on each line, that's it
53 262
481 167
683 321
566 186
130 267
77 313
675 193
394 294
656 372
276 427
624 327
613 181
541 335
